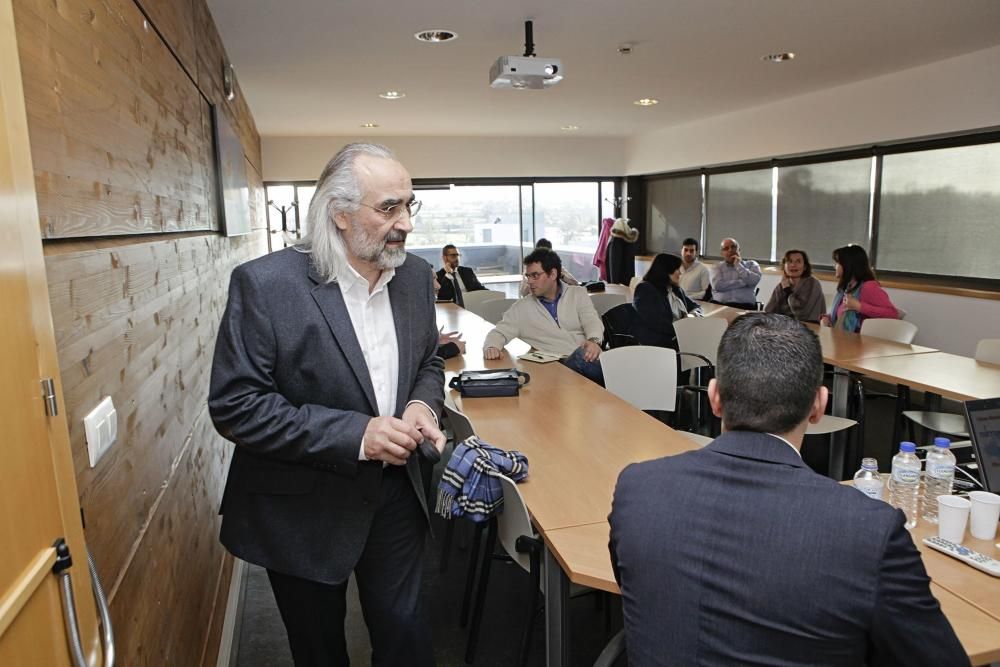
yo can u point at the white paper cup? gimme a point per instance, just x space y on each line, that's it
953 514
984 514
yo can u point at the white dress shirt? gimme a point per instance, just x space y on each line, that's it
375 328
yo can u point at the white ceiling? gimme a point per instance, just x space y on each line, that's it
315 67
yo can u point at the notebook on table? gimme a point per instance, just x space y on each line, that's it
984 431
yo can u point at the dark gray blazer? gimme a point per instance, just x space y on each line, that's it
739 554
291 388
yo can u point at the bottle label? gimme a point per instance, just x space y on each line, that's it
870 489
906 475
941 470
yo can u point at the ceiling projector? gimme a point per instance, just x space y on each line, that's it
527 72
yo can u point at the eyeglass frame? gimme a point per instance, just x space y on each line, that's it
535 275
411 207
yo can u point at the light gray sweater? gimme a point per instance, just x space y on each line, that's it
528 320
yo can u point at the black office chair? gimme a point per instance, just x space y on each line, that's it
619 326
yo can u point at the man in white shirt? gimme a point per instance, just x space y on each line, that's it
327 379
734 279
556 318
695 278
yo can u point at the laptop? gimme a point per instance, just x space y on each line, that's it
984 431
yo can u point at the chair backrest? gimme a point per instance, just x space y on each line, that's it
988 350
604 301
618 325
492 311
643 375
513 522
699 335
889 329
461 426
473 299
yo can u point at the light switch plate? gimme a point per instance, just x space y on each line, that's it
101 427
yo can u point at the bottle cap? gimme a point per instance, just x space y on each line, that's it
907 447
943 443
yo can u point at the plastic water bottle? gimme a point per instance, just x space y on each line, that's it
904 483
867 480
939 473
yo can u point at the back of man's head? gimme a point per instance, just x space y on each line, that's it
768 370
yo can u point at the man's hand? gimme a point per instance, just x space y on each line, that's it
452 337
491 353
391 440
591 350
419 416
734 258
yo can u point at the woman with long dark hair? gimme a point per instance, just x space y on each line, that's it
659 301
799 294
859 295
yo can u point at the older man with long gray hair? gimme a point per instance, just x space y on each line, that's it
326 378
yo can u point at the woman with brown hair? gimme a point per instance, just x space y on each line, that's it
799 295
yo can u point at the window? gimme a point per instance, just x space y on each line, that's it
567 215
738 205
824 206
940 212
674 212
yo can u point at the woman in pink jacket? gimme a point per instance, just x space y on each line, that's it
859 296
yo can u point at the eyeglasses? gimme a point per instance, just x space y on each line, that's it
453 254
395 212
534 275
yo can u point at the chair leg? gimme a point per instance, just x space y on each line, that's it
470 575
484 580
529 618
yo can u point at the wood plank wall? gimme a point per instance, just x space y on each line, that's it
119 95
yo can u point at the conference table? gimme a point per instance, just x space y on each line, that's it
573 434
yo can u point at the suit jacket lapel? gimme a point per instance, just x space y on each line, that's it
331 304
400 301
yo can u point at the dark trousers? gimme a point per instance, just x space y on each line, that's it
388 577
589 369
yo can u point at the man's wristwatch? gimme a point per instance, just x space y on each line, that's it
595 341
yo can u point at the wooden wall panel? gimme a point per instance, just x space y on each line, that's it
117 127
211 60
121 138
138 323
174 20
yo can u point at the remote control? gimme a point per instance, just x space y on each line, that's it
977 560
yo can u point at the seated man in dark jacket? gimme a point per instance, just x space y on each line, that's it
455 280
738 553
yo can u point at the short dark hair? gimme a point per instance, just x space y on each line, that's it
661 269
768 370
807 267
854 265
547 258
450 246
544 243
691 241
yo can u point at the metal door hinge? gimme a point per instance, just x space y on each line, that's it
49 395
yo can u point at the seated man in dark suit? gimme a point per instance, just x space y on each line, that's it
739 554
455 280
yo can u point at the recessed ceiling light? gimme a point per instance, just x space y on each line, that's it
570 128
392 95
436 36
369 125
625 49
646 102
778 57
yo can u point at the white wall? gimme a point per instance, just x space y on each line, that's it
948 96
302 158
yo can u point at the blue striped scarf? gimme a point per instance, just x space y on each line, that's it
470 484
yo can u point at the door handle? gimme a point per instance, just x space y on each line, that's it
61 569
